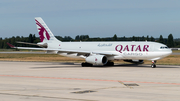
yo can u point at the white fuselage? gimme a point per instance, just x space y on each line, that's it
124 50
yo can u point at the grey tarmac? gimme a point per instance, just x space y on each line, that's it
51 81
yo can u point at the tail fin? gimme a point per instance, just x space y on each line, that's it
45 33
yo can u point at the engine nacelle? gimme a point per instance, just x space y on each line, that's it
97 59
135 61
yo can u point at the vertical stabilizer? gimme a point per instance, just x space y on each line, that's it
45 33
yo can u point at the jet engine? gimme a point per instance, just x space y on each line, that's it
135 61
97 59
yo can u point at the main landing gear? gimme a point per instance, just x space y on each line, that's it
153 64
85 64
109 63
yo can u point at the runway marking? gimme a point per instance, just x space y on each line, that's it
125 85
53 97
89 79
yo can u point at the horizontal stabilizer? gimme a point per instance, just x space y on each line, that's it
27 43
43 45
11 45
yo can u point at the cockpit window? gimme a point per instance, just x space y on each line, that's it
164 47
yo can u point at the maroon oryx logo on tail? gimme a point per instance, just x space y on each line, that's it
42 30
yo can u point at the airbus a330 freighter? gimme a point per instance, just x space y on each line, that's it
99 53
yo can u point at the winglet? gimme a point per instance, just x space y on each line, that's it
11 45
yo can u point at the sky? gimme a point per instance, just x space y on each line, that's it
96 18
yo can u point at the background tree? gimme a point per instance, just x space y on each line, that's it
30 39
147 38
5 43
0 42
77 38
84 37
34 37
152 39
59 38
133 38
170 41
143 39
114 37
161 40
124 38
67 38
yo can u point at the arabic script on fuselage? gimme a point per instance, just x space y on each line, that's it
104 45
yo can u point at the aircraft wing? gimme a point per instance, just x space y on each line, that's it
79 52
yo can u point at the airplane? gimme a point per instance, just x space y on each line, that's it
98 53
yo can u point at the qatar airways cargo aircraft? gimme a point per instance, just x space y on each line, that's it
99 53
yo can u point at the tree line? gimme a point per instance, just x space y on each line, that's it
170 41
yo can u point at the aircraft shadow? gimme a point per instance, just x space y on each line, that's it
145 66
78 65
58 65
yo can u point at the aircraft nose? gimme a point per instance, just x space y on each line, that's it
166 53
169 52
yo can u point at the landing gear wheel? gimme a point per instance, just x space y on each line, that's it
109 64
85 64
153 66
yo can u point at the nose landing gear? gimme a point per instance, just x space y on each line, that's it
153 64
